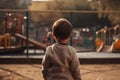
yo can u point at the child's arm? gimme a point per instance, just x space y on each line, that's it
46 65
75 67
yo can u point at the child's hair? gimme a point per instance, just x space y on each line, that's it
62 28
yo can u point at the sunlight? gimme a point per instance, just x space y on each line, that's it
41 0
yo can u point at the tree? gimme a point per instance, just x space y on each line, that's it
108 5
14 4
78 20
113 5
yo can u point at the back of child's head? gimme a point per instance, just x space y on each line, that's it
62 29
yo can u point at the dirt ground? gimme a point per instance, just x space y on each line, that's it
33 72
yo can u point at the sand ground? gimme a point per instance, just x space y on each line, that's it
33 72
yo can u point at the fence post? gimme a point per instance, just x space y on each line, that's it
94 33
27 32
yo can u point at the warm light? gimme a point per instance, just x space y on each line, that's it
87 30
96 32
25 17
83 30
9 14
104 31
105 27
115 28
41 0
89 0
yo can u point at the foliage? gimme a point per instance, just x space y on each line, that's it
78 20
108 5
113 5
14 4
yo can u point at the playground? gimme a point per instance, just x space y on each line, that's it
25 33
19 34
22 50
22 41
33 72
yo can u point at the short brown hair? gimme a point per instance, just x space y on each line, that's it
62 28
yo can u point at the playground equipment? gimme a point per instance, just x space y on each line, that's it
116 45
11 40
99 44
13 23
6 46
107 36
15 20
31 41
5 40
101 47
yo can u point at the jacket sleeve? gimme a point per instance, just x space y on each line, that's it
46 64
75 67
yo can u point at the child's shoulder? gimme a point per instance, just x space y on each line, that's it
62 46
50 47
71 47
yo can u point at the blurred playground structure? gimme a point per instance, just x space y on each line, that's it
13 38
17 36
108 39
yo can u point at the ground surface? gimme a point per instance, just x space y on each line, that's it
33 72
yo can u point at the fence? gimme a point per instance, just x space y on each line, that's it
33 26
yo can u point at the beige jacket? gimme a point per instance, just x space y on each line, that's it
61 63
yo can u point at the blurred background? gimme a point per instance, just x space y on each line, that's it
33 19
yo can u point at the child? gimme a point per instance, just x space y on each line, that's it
60 61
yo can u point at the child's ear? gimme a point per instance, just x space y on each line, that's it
53 35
